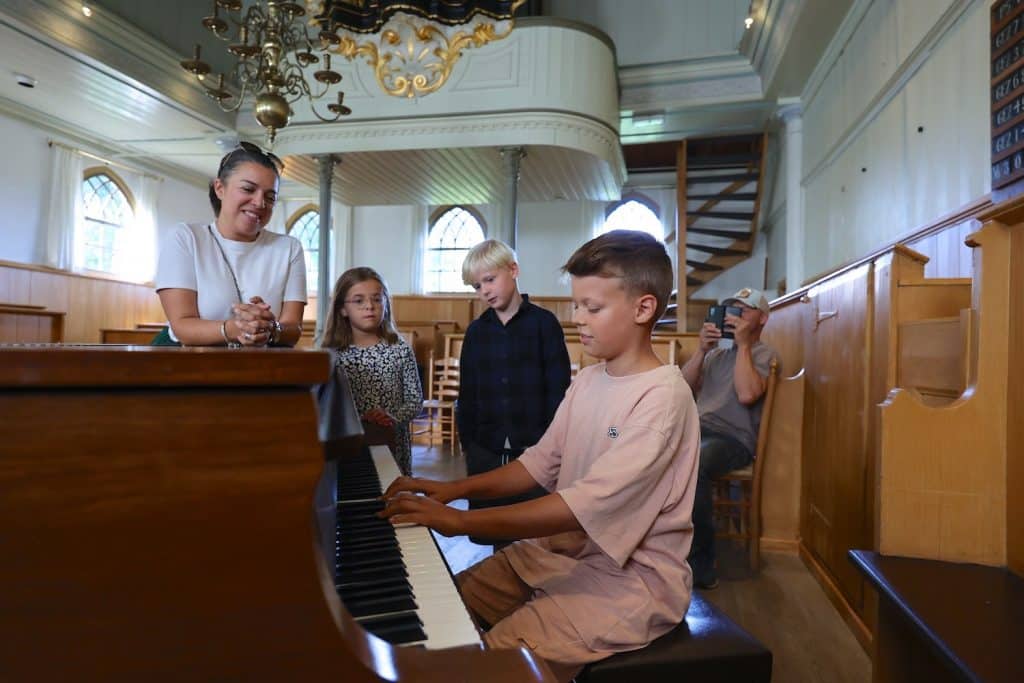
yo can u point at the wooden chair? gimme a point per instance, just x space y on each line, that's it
438 421
737 495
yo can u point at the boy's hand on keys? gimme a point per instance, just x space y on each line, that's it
408 508
437 490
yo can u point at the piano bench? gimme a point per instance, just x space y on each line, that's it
707 647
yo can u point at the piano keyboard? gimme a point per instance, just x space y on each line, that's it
393 581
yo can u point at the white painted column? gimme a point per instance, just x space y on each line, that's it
792 116
323 291
510 158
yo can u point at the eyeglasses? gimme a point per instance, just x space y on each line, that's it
252 149
363 302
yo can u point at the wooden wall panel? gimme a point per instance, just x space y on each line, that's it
14 286
786 331
838 508
780 501
408 307
90 304
463 309
1015 416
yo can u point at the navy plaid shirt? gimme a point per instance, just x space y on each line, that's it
511 378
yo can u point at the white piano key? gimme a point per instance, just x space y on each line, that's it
445 619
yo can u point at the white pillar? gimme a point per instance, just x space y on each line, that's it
793 143
323 291
510 158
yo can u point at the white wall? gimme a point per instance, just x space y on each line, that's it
178 202
896 136
653 31
382 238
24 186
21 190
549 233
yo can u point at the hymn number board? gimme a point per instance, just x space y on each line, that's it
1007 92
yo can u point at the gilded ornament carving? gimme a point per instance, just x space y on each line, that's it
412 56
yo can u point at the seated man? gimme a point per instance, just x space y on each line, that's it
729 382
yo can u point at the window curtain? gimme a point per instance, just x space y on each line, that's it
63 214
420 230
140 247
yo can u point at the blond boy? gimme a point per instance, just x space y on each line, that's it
513 370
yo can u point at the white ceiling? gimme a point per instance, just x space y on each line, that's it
107 84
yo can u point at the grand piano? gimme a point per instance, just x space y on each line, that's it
182 514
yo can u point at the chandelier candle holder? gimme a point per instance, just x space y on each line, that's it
273 47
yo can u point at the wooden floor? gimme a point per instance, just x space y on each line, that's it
783 606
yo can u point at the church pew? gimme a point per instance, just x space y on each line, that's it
933 357
950 476
125 336
30 324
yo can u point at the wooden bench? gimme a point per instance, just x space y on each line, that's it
141 337
707 647
25 324
944 621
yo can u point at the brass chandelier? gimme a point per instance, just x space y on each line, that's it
411 45
272 51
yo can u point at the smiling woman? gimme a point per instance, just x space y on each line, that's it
231 281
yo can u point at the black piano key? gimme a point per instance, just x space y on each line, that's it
353 586
396 628
370 573
346 575
370 606
382 591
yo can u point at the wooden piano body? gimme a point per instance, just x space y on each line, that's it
157 524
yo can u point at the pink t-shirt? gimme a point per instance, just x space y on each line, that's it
622 453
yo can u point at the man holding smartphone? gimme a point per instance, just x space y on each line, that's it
729 384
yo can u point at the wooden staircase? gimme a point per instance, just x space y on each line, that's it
719 182
721 179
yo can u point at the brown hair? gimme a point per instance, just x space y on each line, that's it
244 153
338 330
636 257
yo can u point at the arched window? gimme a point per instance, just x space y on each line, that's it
305 227
109 213
453 232
634 212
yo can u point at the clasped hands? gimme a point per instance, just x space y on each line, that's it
403 506
254 322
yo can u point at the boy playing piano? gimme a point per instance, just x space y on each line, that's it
602 566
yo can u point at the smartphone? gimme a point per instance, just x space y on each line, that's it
716 315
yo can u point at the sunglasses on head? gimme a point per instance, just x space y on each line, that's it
255 150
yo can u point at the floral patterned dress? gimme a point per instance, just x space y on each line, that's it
385 376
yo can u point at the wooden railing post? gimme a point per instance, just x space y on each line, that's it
682 296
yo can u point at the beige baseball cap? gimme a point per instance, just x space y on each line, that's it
751 297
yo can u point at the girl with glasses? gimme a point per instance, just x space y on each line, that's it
232 282
381 367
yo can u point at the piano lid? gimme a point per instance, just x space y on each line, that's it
551 86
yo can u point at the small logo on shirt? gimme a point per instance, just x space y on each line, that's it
613 432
